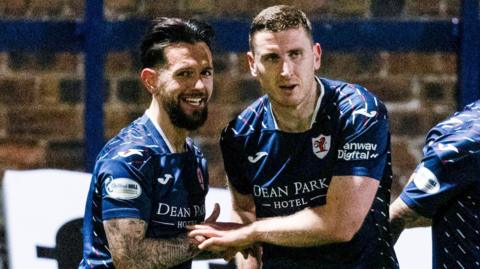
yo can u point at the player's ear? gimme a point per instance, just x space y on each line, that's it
251 63
149 79
317 55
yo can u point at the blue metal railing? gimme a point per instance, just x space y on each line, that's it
469 54
95 36
95 50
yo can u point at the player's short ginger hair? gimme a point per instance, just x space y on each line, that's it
279 18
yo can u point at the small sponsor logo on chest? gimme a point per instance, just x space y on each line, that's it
165 179
358 151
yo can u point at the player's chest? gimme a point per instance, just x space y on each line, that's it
290 172
178 195
179 185
290 157
180 175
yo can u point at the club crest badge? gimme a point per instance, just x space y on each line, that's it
321 145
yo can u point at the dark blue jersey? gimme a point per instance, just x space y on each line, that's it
446 187
287 172
137 176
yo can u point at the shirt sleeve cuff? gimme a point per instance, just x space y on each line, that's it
119 213
415 206
356 171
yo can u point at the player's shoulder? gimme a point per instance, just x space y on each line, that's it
251 119
351 101
350 95
457 136
133 143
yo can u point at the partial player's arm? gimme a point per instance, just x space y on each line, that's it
244 212
402 217
131 249
349 199
243 206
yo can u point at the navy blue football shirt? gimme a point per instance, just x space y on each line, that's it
446 187
137 175
287 172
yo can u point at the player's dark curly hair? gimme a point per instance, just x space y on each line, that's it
164 31
279 18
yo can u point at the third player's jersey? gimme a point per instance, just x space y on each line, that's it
287 172
138 176
446 187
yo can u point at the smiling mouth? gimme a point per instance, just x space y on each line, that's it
194 101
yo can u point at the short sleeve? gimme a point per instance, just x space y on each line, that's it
233 162
125 191
363 140
439 178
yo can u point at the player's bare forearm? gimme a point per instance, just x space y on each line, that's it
244 212
250 259
303 229
243 207
402 217
130 249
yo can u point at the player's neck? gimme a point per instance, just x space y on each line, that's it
295 119
176 136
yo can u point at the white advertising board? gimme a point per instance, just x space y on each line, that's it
414 248
38 203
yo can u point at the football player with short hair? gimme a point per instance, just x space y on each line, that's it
150 180
308 164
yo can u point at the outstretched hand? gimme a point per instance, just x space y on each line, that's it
226 252
221 236
210 219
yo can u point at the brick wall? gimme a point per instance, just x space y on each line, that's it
41 94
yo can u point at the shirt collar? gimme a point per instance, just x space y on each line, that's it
159 130
315 112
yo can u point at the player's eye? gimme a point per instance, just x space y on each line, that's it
295 54
271 57
207 72
185 74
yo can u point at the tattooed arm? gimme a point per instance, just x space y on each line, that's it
402 216
130 249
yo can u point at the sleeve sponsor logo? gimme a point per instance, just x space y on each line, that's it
425 180
321 145
123 188
358 151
